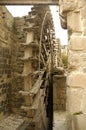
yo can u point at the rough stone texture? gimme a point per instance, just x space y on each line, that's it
74 60
74 22
61 121
77 79
83 10
19 24
5 59
74 100
78 122
12 76
77 43
77 60
59 92
67 6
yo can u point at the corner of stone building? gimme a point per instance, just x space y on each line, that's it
76 78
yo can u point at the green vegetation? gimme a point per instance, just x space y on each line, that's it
78 113
65 60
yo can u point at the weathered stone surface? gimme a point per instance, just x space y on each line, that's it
81 3
79 122
74 22
84 31
77 60
61 121
77 43
84 101
77 79
74 99
67 6
84 22
83 15
74 59
59 92
83 59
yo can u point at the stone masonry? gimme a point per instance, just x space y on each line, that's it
73 17
26 49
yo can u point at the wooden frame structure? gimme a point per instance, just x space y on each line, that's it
31 2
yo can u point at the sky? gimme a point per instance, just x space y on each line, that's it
22 10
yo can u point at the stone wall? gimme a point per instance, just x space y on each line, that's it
6 27
73 12
11 66
18 80
59 93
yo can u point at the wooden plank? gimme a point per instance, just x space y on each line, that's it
31 2
34 106
45 49
31 44
43 59
36 87
29 74
28 58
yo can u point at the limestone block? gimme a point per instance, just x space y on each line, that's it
74 59
79 122
84 101
83 59
74 100
74 22
67 6
77 43
84 31
81 3
83 13
61 121
84 27
77 79
84 22
59 92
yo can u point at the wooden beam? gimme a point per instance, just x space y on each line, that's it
31 2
